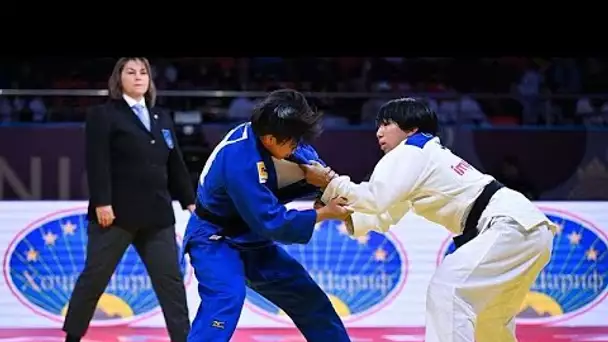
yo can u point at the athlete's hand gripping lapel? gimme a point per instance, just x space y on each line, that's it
317 174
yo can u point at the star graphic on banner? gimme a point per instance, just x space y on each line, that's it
68 228
575 238
49 238
32 255
591 254
380 254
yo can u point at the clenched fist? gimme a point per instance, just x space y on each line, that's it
105 215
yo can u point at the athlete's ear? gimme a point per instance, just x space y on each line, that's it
268 140
411 132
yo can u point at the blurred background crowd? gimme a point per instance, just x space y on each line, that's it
349 90
559 106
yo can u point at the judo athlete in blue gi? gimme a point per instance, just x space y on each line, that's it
240 213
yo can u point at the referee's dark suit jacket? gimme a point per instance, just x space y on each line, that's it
141 170
137 172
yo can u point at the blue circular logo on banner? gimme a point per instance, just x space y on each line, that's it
360 276
576 277
44 261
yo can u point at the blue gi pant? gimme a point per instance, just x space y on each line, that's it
222 270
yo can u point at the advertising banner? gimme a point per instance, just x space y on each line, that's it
374 281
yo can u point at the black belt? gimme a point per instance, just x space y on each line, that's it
230 226
470 227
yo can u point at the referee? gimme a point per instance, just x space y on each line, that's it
134 169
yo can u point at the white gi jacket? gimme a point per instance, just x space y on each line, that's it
422 175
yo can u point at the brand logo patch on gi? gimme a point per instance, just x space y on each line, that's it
217 324
262 173
576 277
168 137
44 261
359 276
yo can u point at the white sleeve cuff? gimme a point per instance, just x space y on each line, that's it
332 189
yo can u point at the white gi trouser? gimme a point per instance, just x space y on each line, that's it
478 290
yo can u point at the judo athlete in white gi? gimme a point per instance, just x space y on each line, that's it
503 239
239 214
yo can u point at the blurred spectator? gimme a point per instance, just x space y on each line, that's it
448 105
592 112
240 109
6 110
372 106
470 111
38 109
528 90
19 106
170 74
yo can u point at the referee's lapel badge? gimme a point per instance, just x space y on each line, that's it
168 137
262 173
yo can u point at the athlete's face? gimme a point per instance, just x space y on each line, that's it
390 135
279 150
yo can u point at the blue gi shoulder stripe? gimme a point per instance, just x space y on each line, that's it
419 139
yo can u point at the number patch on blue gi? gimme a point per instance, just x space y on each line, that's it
168 138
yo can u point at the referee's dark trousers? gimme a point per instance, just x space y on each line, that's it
136 173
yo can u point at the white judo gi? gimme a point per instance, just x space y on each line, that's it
476 292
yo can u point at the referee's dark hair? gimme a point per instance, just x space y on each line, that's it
409 113
115 80
286 115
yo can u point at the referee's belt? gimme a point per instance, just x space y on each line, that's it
231 226
470 227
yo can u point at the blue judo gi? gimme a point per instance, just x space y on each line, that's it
241 188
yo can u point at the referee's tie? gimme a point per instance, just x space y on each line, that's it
143 116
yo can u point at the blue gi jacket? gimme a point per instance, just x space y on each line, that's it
241 179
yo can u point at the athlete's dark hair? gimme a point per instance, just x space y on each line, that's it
285 114
409 113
